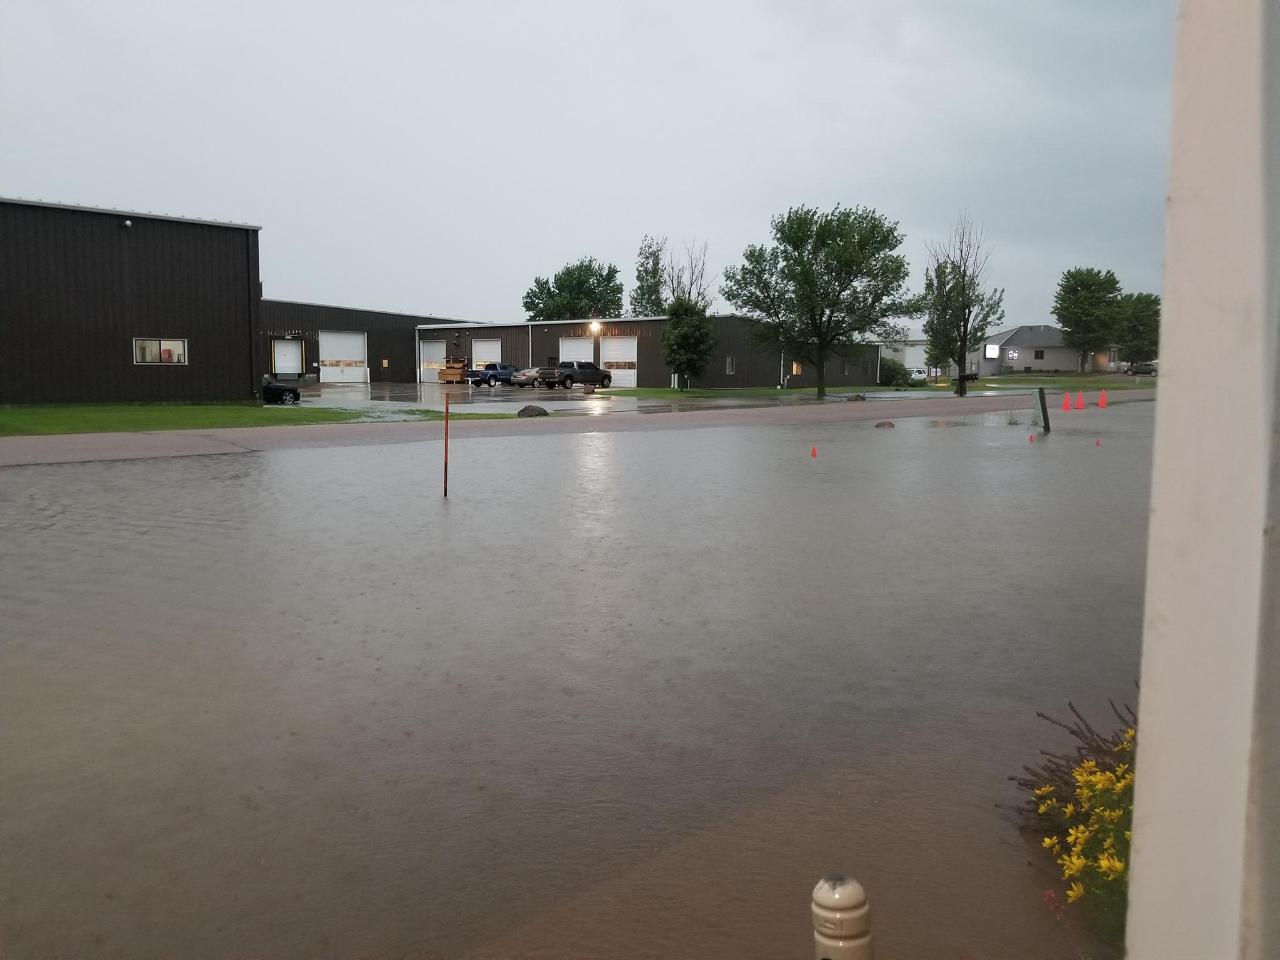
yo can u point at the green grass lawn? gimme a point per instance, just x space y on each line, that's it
1014 382
134 417
705 393
1029 381
454 415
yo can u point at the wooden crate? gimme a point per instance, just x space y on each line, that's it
453 371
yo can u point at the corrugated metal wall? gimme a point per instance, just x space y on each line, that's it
76 286
391 336
755 365
515 342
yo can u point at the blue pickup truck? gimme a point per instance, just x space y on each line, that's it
492 374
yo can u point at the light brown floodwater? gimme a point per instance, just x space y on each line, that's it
622 695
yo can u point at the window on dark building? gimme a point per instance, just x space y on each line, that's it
730 366
159 351
796 369
844 368
1039 354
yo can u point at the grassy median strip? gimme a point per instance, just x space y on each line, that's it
138 417
1084 382
135 417
727 393
454 415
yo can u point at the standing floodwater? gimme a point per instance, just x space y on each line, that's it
622 695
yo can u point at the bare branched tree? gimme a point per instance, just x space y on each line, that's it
686 279
958 310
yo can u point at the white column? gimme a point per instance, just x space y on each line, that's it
1206 855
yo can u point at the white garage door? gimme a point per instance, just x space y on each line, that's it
430 360
286 358
620 356
485 351
343 358
577 348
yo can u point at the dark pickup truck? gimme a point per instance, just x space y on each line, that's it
568 372
492 374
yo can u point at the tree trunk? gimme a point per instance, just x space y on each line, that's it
822 376
961 383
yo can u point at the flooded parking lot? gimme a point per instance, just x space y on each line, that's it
622 695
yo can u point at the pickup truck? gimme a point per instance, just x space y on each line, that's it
492 374
568 372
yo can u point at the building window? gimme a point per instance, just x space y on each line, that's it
796 369
730 366
1113 355
844 368
159 351
1039 354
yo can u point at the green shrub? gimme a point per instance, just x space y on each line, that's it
893 374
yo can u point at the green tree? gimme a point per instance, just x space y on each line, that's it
1085 306
646 299
935 357
1138 326
688 339
958 309
828 281
587 288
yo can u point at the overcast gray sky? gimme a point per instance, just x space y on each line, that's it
436 156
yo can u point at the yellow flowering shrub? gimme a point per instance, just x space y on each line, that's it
1082 804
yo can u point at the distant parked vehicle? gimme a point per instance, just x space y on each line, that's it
917 373
1143 368
492 374
275 392
971 377
569 372
529 377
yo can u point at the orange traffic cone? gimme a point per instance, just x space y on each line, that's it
1031 438
1102 400
813 452
1080 400
1066 402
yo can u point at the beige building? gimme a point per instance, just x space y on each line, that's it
1035 349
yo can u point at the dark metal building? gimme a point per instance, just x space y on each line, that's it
631 348
108 305
358 346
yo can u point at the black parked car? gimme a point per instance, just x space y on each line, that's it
569 372
1143 368
276 392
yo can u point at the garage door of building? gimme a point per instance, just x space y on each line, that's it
430 360
286 358
343 358
620 356
485 351
577 348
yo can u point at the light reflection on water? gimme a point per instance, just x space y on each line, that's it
294 704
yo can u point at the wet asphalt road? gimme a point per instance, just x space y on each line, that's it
624 694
